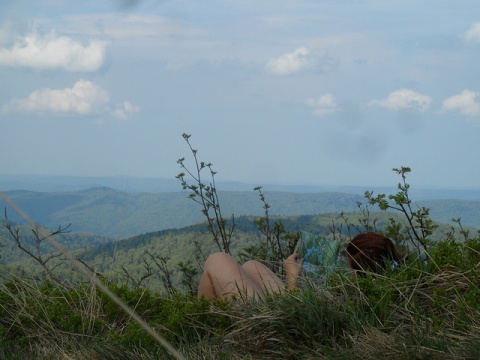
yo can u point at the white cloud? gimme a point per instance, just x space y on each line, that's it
124 110
473 33
324 105
292 62
84 98
403 99
54 52
467 103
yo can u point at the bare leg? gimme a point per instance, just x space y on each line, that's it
263 277
223 278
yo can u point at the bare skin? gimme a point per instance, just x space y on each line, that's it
224 278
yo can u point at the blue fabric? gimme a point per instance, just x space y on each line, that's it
320 256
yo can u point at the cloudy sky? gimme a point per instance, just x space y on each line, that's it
313 92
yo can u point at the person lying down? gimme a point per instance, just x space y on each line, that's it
224 278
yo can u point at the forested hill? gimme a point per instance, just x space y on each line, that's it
118 215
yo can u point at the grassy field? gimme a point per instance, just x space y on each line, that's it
422 310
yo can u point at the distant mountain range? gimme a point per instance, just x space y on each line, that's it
131 184
119 214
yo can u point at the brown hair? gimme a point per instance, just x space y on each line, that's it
370 251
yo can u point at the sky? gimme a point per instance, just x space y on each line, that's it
272 92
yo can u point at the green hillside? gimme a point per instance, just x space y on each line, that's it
118 215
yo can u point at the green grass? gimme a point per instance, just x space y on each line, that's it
419 311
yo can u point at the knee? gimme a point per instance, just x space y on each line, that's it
218 256
219 259
252 266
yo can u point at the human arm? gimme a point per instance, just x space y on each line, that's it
293 270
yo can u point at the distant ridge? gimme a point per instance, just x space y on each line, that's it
131 184
48 183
